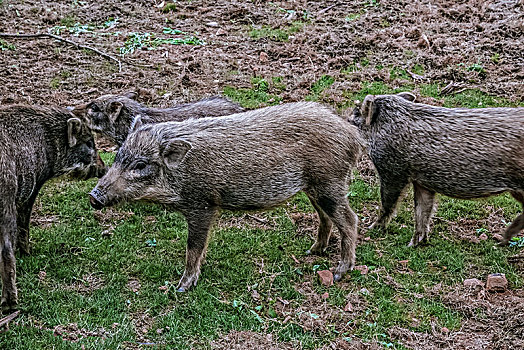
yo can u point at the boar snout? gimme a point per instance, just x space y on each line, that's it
94 199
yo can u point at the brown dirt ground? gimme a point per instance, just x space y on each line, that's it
444 37
440 36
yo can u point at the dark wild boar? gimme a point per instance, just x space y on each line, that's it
461 153
246 161
113 115
36 144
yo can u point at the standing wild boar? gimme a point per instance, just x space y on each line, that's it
246 161
36 144
113 115
461 153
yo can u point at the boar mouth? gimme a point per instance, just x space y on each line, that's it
95 203
99 200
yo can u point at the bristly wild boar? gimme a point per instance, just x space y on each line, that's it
246 161
461 153
36 144
113 115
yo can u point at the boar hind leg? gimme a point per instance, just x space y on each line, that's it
390 193
7 254
424 209
199 223
324 230
518 223
335 205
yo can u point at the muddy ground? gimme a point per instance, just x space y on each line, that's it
475 43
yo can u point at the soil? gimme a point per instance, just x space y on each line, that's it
476 43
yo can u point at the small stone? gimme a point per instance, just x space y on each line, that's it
348 307
363 269
325 295
483 237
367 238
497 282
212 24
41 276
364 291
326 277
159 331
444 330
264 57
473 282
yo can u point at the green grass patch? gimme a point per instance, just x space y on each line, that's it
257 96
319 86
4 46
150 41
276 34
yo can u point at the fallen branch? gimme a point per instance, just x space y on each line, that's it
59 38
5 321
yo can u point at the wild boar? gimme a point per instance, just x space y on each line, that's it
113 115
36 144
458 152
247 161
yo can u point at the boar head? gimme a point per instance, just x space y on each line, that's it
140 168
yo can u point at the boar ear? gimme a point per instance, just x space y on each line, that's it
114 109
136 124
175 152
74 128
368 109
131 94
78 110
407 96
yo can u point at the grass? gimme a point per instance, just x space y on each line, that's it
81 279
4 46
319 86
150 41
259 95
276 34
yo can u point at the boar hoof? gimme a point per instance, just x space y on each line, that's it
315 249
504 242
9 307
341 270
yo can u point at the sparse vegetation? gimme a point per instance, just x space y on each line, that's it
149 41
319 86
257 96
4 45
276 34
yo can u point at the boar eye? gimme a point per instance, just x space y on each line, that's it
138 165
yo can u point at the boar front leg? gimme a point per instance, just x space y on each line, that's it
390 193
199 223
7 253
23 220
518 223
424 209
324 230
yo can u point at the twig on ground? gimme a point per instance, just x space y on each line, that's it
453 87
5 321
59 38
